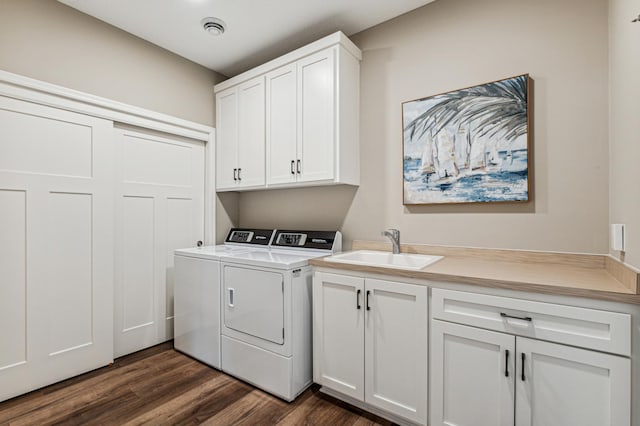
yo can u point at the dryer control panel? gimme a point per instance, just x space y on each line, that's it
330 241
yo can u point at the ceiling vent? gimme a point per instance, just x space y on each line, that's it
213 26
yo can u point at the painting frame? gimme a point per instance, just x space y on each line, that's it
501 124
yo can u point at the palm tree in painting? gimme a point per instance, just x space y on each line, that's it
491 111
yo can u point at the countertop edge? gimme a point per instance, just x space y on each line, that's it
524 286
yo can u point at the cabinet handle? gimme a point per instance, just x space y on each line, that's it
503 315
523 358
368 293
506 363
231 294
235 174
293 172
298 166
239 178
357 296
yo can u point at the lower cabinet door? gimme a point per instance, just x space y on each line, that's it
562 385
396 348
472 376
338 333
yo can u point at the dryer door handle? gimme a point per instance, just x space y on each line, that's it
232 292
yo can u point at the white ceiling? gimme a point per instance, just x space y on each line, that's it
257 30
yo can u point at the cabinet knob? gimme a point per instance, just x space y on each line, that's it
239 177
235 175
293 172
298 166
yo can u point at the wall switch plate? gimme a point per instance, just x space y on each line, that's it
617 237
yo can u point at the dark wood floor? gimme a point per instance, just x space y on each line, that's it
159 386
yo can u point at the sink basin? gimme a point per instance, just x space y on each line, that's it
384 259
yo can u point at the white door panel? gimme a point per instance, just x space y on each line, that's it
396 341
56 245
251 147
254 302
227 131
338 335
316 132
562 385
472 376
281 125
160 207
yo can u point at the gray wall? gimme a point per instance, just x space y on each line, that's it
624 132
48 41
451 44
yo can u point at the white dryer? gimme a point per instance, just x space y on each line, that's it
266 311
197 292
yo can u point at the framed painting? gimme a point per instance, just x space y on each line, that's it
468 146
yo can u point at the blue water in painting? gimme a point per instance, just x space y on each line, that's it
507 182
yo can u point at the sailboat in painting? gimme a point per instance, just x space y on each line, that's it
470 145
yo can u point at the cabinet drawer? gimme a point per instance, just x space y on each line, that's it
587 328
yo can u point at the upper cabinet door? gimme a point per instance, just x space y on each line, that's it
281 125
562 385
472 374
396 348
227 138
316 116
251 149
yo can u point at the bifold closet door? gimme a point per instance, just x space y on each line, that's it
159 208
56 245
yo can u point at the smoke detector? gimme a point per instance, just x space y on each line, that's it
214 26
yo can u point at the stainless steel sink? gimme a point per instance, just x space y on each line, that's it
384 259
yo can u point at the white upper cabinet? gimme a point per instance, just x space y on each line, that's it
282 148
306 122
240 126
316 129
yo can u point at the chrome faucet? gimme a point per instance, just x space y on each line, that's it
394 236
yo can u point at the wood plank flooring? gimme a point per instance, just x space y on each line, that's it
159 386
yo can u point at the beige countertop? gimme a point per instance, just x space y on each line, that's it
592 276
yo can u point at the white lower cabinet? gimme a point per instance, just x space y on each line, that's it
476 375
561 385
472 373
370 342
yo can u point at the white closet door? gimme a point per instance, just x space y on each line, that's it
56 245
159 208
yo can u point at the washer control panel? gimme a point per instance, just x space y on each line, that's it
259 237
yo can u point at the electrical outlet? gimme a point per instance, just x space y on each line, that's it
617 237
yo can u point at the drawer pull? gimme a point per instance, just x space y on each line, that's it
522 376
506 363
503 315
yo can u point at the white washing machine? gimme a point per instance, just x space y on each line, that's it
266 311
197 292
